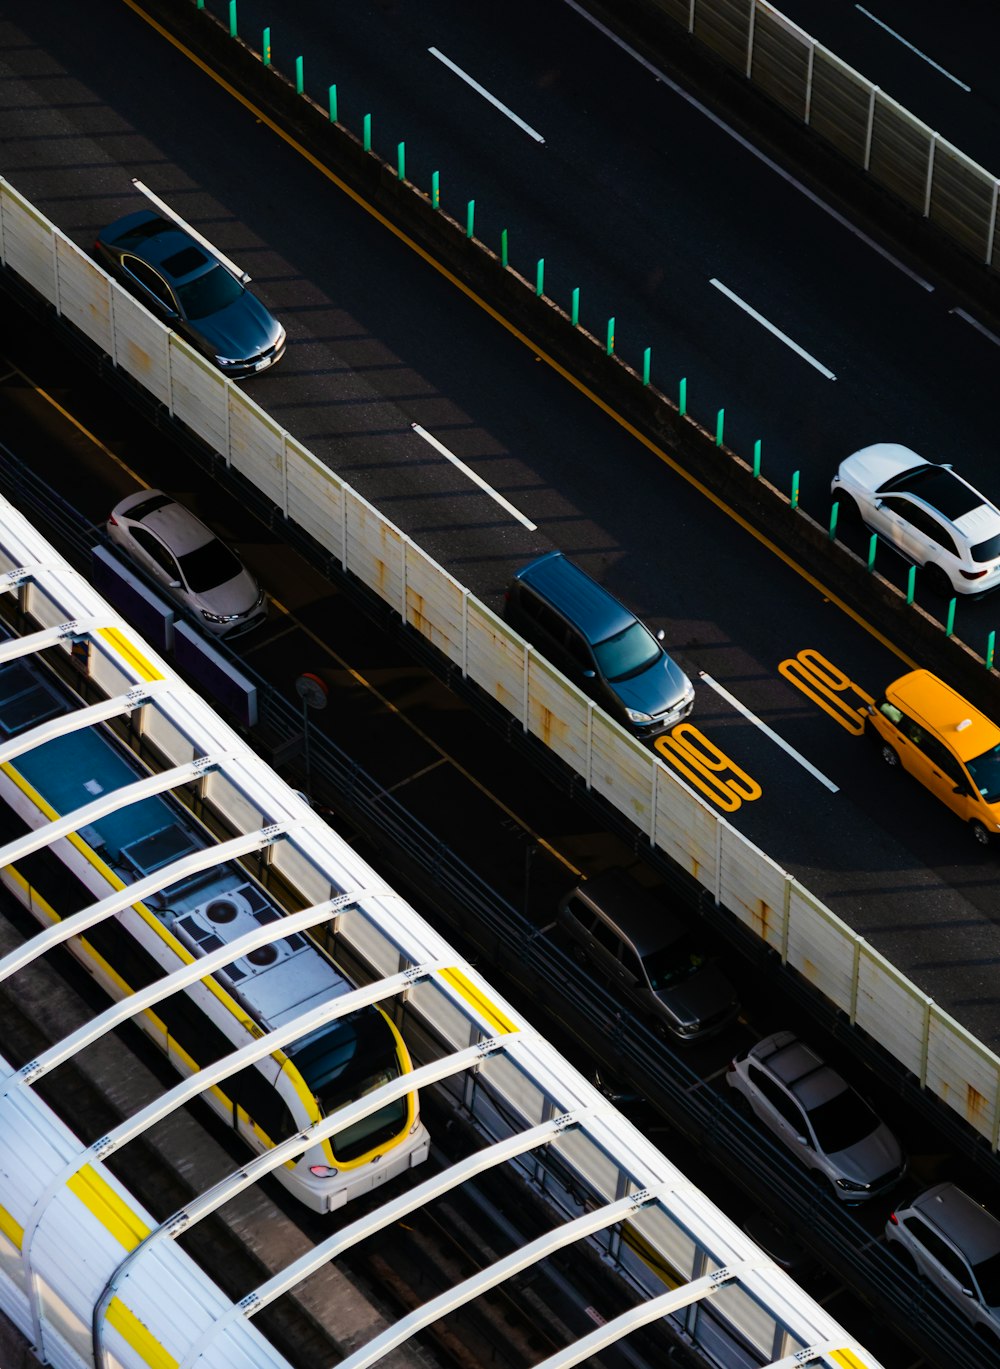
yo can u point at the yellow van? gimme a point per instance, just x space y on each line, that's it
945 743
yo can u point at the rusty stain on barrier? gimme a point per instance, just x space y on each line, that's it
975 1103
761 914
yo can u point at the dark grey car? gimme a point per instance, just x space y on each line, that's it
599 644
179 280
649 954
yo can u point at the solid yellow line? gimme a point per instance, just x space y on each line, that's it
523 338
70 418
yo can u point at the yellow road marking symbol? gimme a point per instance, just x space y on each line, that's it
820 680
710 770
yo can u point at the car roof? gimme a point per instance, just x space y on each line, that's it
644 920
162 244
591 607
177 526
960 1218
940 708
802 1072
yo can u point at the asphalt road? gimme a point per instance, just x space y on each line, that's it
378 341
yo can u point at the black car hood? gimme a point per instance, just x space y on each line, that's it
705 995
241 331
655 690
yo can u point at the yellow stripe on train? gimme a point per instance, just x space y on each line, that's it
111 1211
117 639
139 1336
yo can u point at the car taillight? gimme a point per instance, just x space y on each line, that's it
972 574
731 1067
113 521
894 1219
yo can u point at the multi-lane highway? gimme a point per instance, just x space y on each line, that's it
378 340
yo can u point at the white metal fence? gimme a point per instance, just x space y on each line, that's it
864 124
808 936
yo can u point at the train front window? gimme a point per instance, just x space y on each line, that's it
346 1061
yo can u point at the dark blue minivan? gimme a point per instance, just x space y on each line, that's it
593 639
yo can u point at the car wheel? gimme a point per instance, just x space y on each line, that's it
980 833
890 755
937 581
849 515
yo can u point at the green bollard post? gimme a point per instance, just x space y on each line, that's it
950 625
401 161
200 4
646 357
682 397
575 311
990 644
470 218
299 76
333 104
795 489
367 133
540 276
503 249
833 519
720 419
232 19
872 544
610 346
435 190
265 47
911 584
756 459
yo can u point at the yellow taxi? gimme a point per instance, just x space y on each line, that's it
945 743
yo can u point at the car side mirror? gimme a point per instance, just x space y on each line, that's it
590 674
660 635
804 1141
174 584
969 1293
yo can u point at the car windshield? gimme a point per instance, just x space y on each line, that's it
627 653
670 964
207 294
987 1274
988 550
842 1121
208 566
985 772
347 1060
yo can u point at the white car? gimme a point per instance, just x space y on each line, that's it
955 1244
929 514
818 1115
187 559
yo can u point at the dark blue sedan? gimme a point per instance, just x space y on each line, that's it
181 282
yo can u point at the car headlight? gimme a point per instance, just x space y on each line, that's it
323 1171
851 1187
219 617
634 716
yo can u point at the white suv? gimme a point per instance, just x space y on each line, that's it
930 515
818 1115
954 1243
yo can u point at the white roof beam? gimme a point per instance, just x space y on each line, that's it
108 803
429 1191
17 647
453 1298
86 918
80 718
200 968
652 1310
